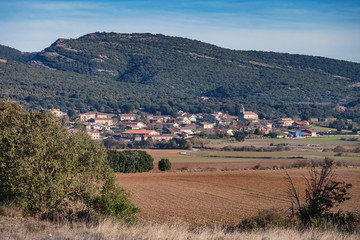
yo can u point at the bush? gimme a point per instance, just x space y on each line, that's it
130 161
266 219
240 136
257 167
114 143
46 171
339 149
115 202
242 149
273 135
164 164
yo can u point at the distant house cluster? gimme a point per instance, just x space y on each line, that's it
140 126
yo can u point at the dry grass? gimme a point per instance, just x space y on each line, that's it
26 229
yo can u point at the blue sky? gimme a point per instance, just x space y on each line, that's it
321 28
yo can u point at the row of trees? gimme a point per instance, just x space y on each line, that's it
130 161
178 143
135 161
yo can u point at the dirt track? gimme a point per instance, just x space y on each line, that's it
218 197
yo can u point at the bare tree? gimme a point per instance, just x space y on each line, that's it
321 195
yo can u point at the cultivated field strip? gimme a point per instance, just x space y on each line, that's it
208 198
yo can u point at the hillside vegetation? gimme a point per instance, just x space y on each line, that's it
106 71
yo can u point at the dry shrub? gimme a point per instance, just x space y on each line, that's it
72 211
339 149
317 163
257 167
241 149
185 168
322 194
357 150
10 210
266 219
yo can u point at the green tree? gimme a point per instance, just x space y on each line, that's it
130 161
72 114
164 164
338 124
48 172
240 136
258 131
273 135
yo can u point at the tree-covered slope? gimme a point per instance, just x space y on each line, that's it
165 73
13 54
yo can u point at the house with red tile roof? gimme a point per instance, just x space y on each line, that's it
138 135
92 114
135 125
308 133
183 120
95 135
298 124
127 117
284 122
107 121
206 125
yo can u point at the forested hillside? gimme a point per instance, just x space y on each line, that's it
106 71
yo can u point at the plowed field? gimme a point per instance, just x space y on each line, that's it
219 197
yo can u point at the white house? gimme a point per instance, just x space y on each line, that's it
58 113
206 125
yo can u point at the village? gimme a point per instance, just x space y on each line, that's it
139 126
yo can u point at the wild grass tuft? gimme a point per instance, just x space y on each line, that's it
107 229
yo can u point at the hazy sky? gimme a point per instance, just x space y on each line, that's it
329 28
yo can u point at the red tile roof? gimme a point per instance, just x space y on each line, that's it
138 131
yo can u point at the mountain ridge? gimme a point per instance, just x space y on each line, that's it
148 65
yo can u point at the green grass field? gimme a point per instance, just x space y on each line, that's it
322 128
313 140
304 148
327 128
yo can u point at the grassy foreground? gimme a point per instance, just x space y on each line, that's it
26 229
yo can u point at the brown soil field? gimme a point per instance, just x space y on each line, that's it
219 197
